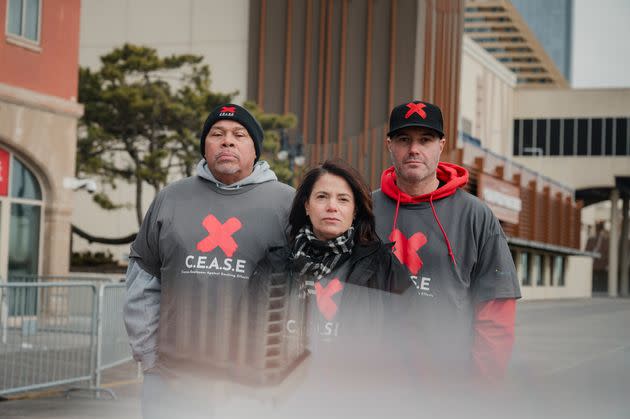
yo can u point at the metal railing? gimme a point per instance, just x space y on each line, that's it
113 343
58 333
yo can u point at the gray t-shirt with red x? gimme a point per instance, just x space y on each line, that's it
202 241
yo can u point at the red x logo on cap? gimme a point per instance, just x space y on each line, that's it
219 235
406 250
416 108
325 303
231 109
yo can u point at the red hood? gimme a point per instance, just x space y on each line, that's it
452 175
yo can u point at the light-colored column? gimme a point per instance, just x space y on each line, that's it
55 259
624 246
613 245
56 245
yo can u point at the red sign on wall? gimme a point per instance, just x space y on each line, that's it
4 172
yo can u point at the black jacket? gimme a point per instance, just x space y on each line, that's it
372 266
280 323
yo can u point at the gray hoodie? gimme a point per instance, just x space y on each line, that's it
196 249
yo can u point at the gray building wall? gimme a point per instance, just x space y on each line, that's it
551 22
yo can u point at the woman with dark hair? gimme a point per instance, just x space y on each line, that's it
332 232
331 280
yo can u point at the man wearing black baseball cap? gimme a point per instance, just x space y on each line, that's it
457 255
194 254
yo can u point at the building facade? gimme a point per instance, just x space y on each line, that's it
339 66
38 120
552 23
581 137
540 215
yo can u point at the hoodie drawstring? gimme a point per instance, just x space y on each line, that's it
448 243
396 213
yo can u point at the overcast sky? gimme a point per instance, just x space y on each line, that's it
601 43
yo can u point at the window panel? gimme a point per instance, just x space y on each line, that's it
537 270
558 271
582 137
23 261
596 137
23 183
554 140
568 135
15 17
517 137
621 142
31 20
23 18
608 137
523 269
541 137
528 134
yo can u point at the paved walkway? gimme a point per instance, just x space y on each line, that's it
52 404
571 359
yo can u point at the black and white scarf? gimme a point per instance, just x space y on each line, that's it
318 257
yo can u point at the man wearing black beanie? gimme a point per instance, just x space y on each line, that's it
194 254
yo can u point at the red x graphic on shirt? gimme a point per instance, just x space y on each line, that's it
406 250
219 235
416 108
324 295
231 109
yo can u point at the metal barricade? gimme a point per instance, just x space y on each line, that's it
47 334
113 348
59 333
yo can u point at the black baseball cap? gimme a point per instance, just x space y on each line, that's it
416 114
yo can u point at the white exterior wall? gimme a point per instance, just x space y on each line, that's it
216 30
578 282
571 103
486 98
579 172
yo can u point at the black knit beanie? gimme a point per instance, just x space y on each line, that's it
238 114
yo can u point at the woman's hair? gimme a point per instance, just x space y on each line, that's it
365 230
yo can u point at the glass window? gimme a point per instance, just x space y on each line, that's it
23 183
541 138
523 269
554 137
621 140
15 17
24 240
517 138
568 143
23 256
558 271
528 136
31 20
582 137
537 270
23 18
608 137
596 137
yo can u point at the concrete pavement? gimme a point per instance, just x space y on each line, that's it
571 359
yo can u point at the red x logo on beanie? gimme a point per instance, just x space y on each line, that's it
231 109
325 303
416 108
406 250
219 235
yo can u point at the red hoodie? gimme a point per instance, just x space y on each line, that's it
494 319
